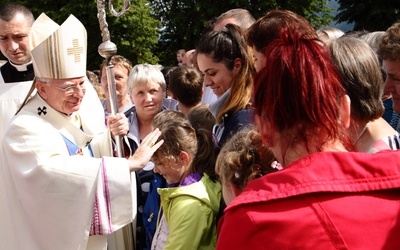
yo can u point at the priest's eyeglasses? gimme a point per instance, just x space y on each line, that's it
70 89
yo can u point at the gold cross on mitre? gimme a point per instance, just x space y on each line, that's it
76 50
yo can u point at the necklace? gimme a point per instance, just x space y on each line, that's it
362 132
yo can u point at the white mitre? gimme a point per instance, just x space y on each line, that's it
58 52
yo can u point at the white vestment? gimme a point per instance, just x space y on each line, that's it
11 97
48 196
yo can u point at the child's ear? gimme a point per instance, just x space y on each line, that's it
185 157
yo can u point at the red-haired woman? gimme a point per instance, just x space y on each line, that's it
325 197
267 28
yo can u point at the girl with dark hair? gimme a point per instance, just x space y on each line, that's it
224 59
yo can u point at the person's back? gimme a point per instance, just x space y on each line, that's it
321 208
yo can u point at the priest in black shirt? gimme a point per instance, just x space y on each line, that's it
17 74
15 24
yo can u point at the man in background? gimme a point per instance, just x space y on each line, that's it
16 74
241 17
179 56
389 52
15 24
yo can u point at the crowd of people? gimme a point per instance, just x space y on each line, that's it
268 134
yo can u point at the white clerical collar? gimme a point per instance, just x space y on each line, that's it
75 119
22 67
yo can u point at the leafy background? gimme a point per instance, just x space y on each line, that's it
153 30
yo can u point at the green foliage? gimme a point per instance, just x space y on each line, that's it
153 30
135 33
185 20
369 15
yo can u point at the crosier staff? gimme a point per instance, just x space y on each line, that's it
107 49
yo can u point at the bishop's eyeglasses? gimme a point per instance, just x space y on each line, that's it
70 89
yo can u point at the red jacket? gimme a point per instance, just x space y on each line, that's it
329 200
